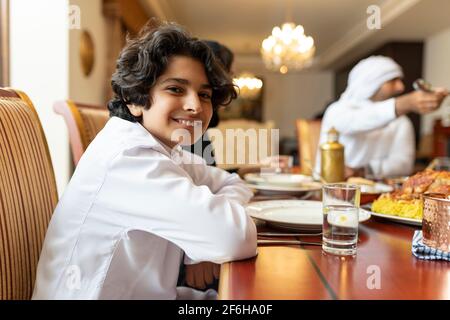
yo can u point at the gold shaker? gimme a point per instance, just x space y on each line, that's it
332 165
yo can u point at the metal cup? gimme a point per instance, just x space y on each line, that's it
436 221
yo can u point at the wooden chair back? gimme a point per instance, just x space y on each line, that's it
28 194
308 135
83 122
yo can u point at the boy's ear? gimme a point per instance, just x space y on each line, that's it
135 110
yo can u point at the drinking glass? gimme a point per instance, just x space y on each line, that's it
282 163
340 218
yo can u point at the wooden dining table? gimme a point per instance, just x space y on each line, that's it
383 268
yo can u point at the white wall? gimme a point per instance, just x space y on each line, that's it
45 64
290 96
90 89
437 71
39 41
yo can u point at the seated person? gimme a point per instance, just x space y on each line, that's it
138 206
202 147
371 119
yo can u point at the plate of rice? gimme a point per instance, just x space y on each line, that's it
406 205
403 211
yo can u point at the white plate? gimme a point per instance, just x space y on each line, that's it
413 222
265 187
293 214
377 188
272 184
281 180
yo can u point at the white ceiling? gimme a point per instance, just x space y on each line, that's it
338 26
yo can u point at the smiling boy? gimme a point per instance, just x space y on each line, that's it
132 213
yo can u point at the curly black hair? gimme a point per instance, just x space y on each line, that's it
223 53
145 58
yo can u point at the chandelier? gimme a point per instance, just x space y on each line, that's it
249 85
288 48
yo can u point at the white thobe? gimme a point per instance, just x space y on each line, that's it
372 136
129 213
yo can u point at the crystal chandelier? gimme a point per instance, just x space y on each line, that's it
249 85
288 48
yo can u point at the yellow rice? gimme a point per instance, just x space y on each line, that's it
403 208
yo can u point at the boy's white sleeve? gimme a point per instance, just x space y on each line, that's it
165 201
219 181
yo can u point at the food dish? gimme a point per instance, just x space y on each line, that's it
370 190
407 202
369 186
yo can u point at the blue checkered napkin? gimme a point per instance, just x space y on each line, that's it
424 252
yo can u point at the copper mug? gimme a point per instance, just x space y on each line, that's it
436 221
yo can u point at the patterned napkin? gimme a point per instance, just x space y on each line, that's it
422 251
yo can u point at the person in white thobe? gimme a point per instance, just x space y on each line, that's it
377 135
107 241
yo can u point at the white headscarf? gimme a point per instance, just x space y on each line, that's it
369 75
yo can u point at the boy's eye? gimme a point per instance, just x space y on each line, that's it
175 89
205 95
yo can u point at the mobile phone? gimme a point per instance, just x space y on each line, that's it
421 84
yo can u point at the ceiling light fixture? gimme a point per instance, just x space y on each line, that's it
249 85
288 48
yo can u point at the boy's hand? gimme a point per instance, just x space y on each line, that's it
200 275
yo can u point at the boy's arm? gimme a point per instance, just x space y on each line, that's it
219 181
163 200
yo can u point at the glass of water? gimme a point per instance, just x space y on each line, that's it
340 218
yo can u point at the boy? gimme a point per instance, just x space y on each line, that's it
137 206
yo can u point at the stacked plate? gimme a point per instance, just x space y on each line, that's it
376 188
282 183
298 215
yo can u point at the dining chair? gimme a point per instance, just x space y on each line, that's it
441 137
83 122
308 135
28 194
